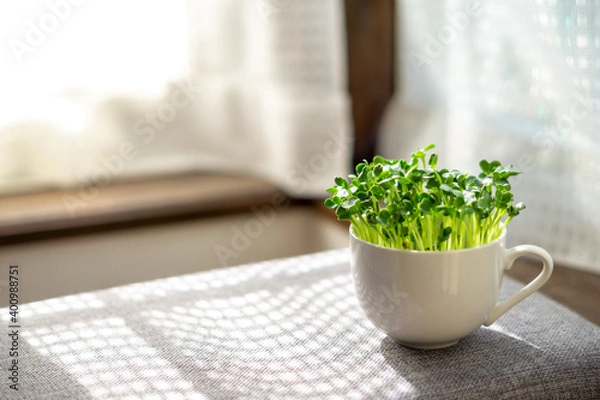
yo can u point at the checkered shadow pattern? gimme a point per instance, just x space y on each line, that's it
285 329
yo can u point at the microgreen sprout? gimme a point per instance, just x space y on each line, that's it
409 204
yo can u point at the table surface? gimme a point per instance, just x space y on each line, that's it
288 328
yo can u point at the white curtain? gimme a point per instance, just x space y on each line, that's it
272 98
74 77
517 81
93 92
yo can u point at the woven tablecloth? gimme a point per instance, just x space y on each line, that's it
283 329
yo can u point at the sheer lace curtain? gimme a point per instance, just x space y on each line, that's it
515 81
92 92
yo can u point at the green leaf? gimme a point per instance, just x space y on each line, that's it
515 210
378 192
418 154
379 160
485 166
371 217
505 198
469 197
343 193
359 167
383 217
444 234
329 203
348 204
362 195
433 159
377 170
484 202
446 188
343 214
458 202
425 205
340 181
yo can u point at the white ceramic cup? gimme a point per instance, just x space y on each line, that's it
432 299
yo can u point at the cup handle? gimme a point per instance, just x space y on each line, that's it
510 256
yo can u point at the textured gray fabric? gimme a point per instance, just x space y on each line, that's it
285 329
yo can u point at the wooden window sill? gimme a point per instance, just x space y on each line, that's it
47 214
575 289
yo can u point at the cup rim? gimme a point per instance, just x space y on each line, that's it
499 239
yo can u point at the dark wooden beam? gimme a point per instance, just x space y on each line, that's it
371 47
